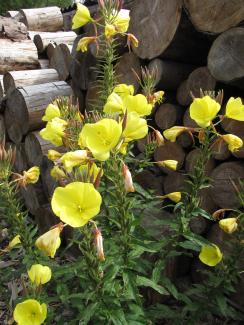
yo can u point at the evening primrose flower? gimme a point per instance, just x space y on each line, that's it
172 133
81 17
30 312
204 110
210 255
235 109
124 90
76 203
171 164
114 104
136 127
51 112
54 131
101 137
122 20
129 187
53 155
110 30
57 173
31 176
228 225
84 42
72 159
174 196
233 141
14 242
39 274
138 104
50 241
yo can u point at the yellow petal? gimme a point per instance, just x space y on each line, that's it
171 164
210 255
124 90
72 159
49 242
31 176
30 312
54 131
122 20
39 274
51 112
228 225
15 241
53 155
114 104
235 109
81 17
174 196
234 142
138 104
84 42
136 127
172 133
57 173
110 30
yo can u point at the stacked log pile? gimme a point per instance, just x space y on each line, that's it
190 44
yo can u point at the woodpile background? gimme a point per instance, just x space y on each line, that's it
191 44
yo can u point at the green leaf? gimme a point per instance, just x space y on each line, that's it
88 312
222 303
145 282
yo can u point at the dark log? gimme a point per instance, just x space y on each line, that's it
226 56
26 106
220 150
26 59
226 182
170 151
42 40
168 115
50 50
169 74
192 158
15 79
200 78
175 182
217 16
43 63
48 19
233 126
61 60
45 218
49 184
20 163
148 180
124 70
33 197
188 121
2 92
185 140
2 129
12 29
199 225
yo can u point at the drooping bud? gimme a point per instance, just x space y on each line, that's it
98 242
129 187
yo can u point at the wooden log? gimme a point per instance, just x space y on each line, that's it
220 150
199 225
20 163
49 184
26 59
48 19
11 13
192 158
42 40
50 50
169 74
175 182
33 197
198 79
26 106
168 115
185 140
170 151
217 16
92 96
188 121
2 129
125 68
223 192
233 126
2 92
36 147
12 29
61 61
225 57
45 218
148 180
43 63
15 79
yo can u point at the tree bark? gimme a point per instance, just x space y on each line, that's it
48 19
26 106
61 61
42 40
20 163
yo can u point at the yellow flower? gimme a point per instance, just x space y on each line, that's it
81 17
122 20
39 274
124 90
50 241
210 255
14 242
109 30
234 142
89 170
101 137
51 112
30 312
172 133
228 225
174 196
204 110
54 131
31 176
114 104
235 109
171 164
136 127
76 203
138 104
53 155
72 159
57 173
84 42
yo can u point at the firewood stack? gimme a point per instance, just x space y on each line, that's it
190 44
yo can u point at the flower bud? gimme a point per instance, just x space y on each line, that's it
129 187
31 176
53 155
50 241
171 164
210 255
57 173
174 196
228 225
98 242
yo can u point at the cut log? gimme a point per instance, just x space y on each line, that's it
148 180
223 177
20 163
175 182
2 129
217 16
12 29
43 63
92 96
188 121
26 59
45 218
169 74
42 40
49 184
170 151
185 140
199 225
36 148
233 126
14 79
1 87
125 70
50 50
61 61
225 59
220 150
11 13
191 160
200 78
48 19
168 115
33 197
26 106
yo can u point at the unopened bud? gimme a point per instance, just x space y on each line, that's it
129 187
98 242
